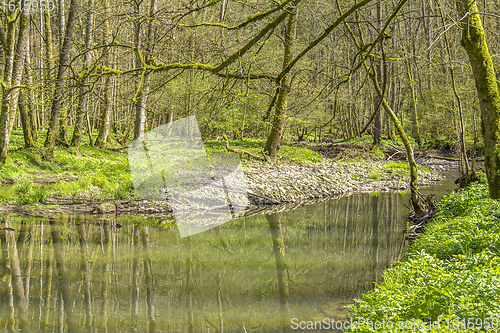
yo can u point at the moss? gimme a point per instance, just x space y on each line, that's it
474 42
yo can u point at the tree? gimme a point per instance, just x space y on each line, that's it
58 91
415 195
81 110
145 79
103 134
12 75
278 123
377 125
474 43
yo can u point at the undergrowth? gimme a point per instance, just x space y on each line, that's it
450 276
287 151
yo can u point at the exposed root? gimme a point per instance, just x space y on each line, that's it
428 206
465 180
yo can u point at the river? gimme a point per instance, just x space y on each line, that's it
82 273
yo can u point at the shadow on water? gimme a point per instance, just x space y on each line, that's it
83 274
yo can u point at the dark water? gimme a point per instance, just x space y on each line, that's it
84 274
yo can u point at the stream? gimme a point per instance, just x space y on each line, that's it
86 273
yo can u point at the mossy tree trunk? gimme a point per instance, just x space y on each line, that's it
417 204
143 92
81 110
58 91
30 95
413 104
474 42
12 75
278 123
48 63
25 122
377 121
415 199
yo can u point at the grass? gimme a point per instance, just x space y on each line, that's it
451 273
396 166
287 151
97 174
378 152
374 175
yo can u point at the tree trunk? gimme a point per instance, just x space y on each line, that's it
376 101
474 42
274 138
62 25
83 96
415 199
142 98
58 91
30 101
25 121
13 72
103 134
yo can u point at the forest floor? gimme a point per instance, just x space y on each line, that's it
98 181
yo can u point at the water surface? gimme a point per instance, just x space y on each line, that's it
81 273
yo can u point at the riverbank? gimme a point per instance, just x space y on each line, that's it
449 278
97 181
293 182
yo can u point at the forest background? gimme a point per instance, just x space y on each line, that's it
108 71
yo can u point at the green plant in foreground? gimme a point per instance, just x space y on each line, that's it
374 175
451 273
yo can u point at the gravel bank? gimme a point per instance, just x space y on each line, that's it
299 182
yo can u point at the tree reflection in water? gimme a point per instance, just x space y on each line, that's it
82 274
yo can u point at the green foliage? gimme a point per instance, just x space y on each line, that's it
97 173
27 193
374 175
395 166
299 153
378 152
451 272
289 151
